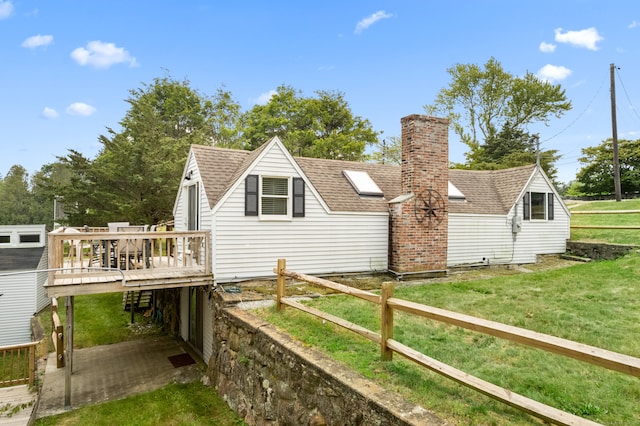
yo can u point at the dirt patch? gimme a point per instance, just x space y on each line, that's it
252 290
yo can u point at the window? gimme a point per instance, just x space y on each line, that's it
274 197
538 206
5 239
192 207
29 238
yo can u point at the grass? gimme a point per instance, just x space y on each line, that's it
600 310
175 404
100 320
607 235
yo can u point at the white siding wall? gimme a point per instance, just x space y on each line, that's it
42 299
542 236
207 338
17 306
479 238
247 247
184 313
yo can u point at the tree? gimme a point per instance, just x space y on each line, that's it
17 204
224 113
388 151
596 175
490 110
320 127
137 172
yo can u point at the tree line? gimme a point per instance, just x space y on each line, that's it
136 173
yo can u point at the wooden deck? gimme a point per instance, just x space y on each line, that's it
154 260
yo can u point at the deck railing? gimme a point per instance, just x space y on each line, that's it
18 364
82 252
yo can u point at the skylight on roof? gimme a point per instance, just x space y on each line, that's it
362 183
455 193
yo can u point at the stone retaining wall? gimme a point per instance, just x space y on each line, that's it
598 251
270 379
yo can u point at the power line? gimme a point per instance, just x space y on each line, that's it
580 115
627 94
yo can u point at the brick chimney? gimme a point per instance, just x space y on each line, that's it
418 227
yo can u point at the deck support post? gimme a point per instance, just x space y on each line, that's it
68 368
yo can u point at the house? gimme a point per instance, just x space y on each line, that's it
331 217
23 251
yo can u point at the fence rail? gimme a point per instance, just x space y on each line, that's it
589 354
18 364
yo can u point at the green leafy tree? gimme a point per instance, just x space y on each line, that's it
596 174
490 110
17 204
320 127
388 151
135 176
224 118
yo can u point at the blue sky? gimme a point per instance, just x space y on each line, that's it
68 66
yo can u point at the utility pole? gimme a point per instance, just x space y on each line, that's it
614 137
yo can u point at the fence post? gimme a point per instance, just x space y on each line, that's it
386 318
280 283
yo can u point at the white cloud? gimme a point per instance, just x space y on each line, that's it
370 20
584 38
6 9
37 41
49 113
547 47
553 73
82 109
633 24
102 55
264 97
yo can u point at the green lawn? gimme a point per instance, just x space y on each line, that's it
607 235
175 404
100 320
596 303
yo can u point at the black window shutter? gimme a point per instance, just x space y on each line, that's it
550 206
526 206
298 197
251 195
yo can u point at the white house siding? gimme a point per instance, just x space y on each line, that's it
542 236
184 313
204 224
17 306
475 239
247 247
207 330
42 299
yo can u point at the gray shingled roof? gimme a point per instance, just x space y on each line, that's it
20 258
486 192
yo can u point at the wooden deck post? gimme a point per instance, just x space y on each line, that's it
386 318
280 284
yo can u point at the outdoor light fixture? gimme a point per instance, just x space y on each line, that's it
188 175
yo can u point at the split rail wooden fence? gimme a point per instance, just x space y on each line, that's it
590 354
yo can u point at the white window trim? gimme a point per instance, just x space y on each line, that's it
289 197
545 207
